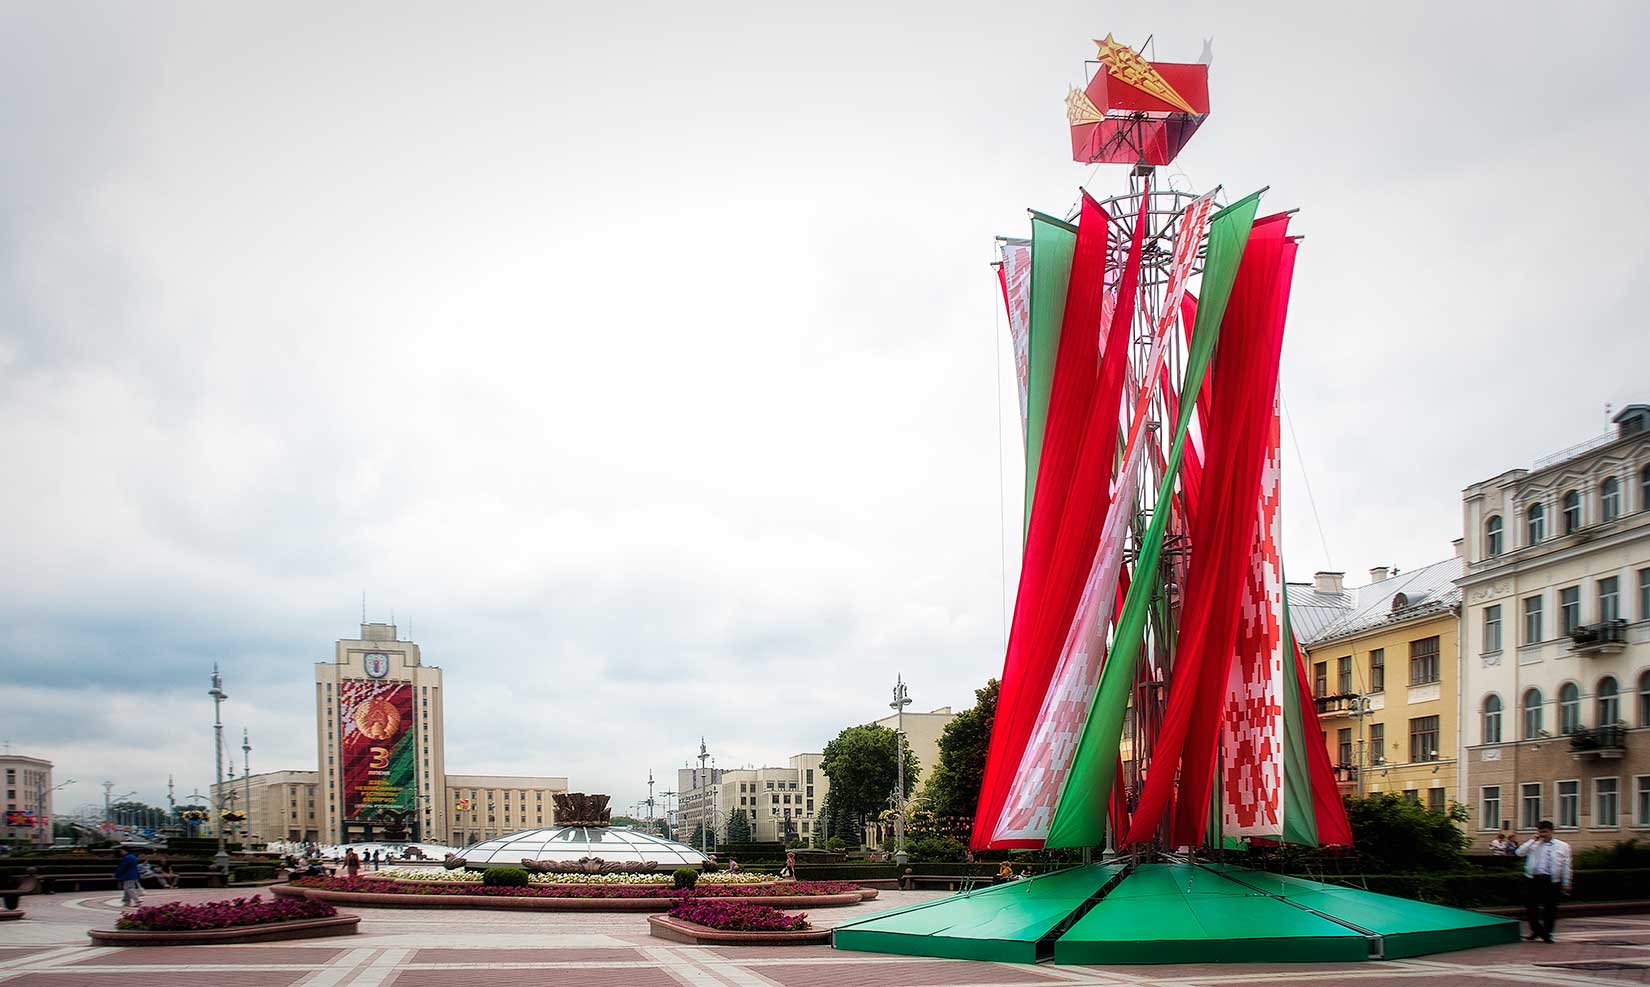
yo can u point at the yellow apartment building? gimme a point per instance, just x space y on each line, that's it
1383 661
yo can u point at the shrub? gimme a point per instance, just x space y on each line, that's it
1620 856
504 877
1395 836
927 849
732 916
683 878
253 872
176 916
836 843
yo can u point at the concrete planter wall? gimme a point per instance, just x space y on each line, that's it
503 902
676 930
304 928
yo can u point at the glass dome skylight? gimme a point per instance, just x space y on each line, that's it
569 843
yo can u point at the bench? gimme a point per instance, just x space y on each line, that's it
15 886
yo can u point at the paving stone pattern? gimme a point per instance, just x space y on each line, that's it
409 948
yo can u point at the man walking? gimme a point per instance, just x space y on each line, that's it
130 877
1546 870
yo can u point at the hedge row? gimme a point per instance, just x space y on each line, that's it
1487 890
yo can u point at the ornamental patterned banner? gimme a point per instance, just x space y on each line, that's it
1251 745
1014 277
376 749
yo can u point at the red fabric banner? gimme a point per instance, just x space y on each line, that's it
1026 669
1334 829
1223 530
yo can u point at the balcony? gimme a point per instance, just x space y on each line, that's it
1339 704
1609 741
1607 637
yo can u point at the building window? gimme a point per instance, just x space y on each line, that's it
1569 609
1569 708
1609 499
1532 620
1343 675
1435 799
1644 699
1569 803
1377 669
1492 628
1489 814
1320 679
1536 517
1423 661
1377 743
1609 598
1492 719
1606 803
1641 801
1607 701
1412 795
1572 511
1423 738
1492 536
1644 594
1529 805
1644 489
1343 742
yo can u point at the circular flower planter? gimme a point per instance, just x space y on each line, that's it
304 928
546 904
677 930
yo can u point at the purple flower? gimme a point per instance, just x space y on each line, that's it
177 916
737 916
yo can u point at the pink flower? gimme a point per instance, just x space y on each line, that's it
177 916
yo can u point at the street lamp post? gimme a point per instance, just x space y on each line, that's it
40 793
221 861
246 780
902 699
704 789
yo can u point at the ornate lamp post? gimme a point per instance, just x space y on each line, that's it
246 780
902 699
221 861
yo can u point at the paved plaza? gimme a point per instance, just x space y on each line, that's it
403 948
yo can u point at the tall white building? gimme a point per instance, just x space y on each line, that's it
28 802
1555 632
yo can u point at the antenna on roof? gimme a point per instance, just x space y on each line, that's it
363 606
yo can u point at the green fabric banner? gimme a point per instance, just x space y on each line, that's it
1052 245
1080 819
1300 820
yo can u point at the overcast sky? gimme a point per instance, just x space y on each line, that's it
643 359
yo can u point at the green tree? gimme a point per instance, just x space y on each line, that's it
739 827
954 787
1394 834
863 771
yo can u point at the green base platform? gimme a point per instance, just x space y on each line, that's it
1172 913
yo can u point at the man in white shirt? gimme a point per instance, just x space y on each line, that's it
1546 870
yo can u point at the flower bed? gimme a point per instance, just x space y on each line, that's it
737 916
177 916
711 922
240 920
785 889
433 876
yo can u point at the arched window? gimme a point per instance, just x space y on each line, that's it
1492 536
1609 499
1532 714
1572 511
1569 708
1608 701
1536 517
1644 699
1492 719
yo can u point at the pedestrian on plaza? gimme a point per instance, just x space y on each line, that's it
1546 871
375 860
1005 872
733 866
129 873
1503 845
352 863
